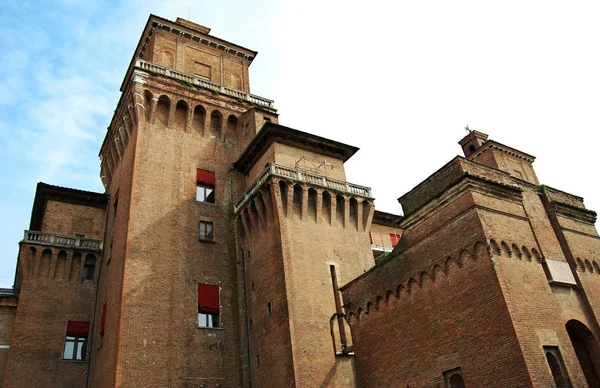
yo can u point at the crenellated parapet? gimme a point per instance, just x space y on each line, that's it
119 133
305 196
400 282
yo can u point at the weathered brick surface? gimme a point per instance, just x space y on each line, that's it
8 310
157 260
466 286
68 218
514 309
50 296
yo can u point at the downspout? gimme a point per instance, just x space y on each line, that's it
246 319
91 341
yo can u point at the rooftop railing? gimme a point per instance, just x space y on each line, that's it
154 68
296 175
61 240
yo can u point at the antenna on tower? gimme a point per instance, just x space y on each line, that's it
467 128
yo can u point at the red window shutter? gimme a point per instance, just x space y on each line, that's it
395 238
78 329
103 319
208 298
205 177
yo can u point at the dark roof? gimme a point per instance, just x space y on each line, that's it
45 192
271 132
388 219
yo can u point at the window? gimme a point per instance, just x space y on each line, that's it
557 366
205 186
453 378
269 308
89 268
206 231
395 237
208 305
76 340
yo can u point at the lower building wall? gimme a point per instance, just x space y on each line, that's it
47 301
8 309
445 322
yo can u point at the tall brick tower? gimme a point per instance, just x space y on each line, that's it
168 306
302 231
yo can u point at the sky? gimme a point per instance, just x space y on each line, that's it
399 79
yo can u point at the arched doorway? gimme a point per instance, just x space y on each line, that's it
587 350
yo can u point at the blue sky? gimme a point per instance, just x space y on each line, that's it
400 79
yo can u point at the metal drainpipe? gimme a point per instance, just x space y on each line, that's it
246 319
91 341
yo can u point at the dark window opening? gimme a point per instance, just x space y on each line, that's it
453 378
89 268
116 205
208 305
257 360
206 231
471 148
557 366
269 309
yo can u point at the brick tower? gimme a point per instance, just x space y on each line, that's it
168 307
302 231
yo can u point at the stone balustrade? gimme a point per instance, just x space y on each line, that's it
253 99
301 176
54 239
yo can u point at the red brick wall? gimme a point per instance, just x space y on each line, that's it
158 259
259 236
67 218
48 299
442 322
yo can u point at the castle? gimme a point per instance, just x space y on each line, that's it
231 251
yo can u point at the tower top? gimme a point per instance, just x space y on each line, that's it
191 25
472 141
184 29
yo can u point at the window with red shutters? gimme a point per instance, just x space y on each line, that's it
209 308
205 186
76 340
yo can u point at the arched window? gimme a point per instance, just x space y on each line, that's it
89 267
453 378
586 347
556 366
215 121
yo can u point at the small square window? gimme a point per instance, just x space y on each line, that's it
206 231
209 309
205 186
76 340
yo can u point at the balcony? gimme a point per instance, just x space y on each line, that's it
301 176
251 98
61 240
